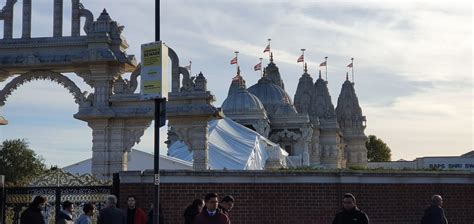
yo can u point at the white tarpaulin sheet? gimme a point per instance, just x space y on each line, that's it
231 146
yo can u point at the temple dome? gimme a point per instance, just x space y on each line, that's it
272 96
241 100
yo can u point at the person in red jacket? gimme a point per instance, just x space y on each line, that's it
210 214
135 215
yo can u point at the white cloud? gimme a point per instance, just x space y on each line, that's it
432 122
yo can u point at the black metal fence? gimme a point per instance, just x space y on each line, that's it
15 200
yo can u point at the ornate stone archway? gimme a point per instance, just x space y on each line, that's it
79 96
116 115
113 111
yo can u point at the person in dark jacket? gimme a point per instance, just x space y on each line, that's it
193 210
111 214
32 215
227 203
435 214
65 216
350 213
211 215
135 215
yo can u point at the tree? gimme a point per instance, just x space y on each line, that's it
19 163
377 150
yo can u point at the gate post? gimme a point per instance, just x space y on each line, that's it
57 202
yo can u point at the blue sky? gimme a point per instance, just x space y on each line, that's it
413 65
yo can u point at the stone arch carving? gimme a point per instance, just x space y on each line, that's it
176 71
89 18
285 135
79 97
125 86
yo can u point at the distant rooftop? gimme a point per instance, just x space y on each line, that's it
469 154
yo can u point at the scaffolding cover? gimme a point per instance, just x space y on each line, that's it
233 147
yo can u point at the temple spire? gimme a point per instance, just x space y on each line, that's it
271 57
305 67
319 73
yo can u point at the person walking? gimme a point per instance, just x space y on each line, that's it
32 215
85 218
111 214
227 203
435 213
134 214
211 215
193 210
350 213
65 215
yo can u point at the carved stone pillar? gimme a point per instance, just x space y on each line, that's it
198 139
100 154
102 81
112 141
102 93
306 136
188 113
7 16
194 133
356 150
26 26
75 19
58 18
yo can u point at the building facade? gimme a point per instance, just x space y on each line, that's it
311 130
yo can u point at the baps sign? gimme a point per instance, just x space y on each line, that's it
154 70
449 163
452 166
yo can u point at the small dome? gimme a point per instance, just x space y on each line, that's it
242 101
271 95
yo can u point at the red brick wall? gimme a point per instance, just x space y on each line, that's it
312 203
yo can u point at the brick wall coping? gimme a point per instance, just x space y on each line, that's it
290 177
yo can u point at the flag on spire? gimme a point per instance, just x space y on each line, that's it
322 64
300 59
267 48
234 60
349 65
257 67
